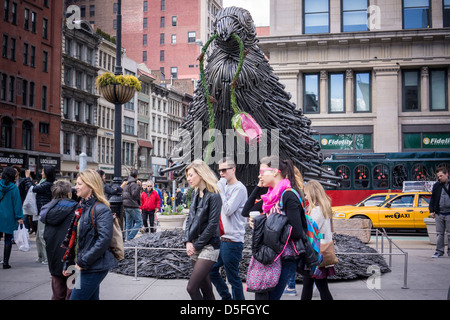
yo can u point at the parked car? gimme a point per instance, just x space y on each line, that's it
404 210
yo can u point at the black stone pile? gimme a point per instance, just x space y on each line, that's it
175 264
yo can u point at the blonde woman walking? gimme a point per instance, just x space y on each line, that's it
91 233
202 228
319 209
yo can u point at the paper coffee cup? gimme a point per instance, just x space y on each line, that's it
254 214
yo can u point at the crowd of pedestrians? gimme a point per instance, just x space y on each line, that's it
74 226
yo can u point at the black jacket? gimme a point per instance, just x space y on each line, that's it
93 244
131 194
202 224
43 192
57 221
436 197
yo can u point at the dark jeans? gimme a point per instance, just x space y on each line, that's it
287 268
87 285
59 288
149 214
229 258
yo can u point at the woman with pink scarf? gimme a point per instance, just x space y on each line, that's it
278 175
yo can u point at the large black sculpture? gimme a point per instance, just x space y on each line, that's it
258 92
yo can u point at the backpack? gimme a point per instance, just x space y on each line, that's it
312 258
116 245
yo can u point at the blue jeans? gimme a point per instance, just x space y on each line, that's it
229 257
87 285
133 220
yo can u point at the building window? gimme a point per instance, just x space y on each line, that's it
363 89
45 61
144 23
44 127
115 24
144 39
416 14
33 21
6 10
128 125
354 15
82 11
91 10
174 39
163 5
336 93
161 55
66 143
78 145
174 72
162 22
6 139
25 53
311 93
77 110
12 54
316 16
161 38
44 97
115 7
191 37
88 113
144 56
174 21
3 87
446 11
411 90
27 133
11 88
5 46
33 57
145 6
438 90
14 13
26 23
24 92
45 28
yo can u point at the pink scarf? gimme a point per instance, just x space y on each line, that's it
273 196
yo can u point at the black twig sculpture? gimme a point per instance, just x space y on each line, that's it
259 93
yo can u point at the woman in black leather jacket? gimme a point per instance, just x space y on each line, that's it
92 257
202 229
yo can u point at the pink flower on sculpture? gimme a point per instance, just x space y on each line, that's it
246 126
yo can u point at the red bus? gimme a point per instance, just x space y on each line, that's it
366 173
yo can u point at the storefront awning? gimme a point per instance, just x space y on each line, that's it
145 144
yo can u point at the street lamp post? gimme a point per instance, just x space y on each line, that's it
116 200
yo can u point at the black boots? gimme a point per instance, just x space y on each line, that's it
6 255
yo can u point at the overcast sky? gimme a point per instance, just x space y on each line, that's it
259 9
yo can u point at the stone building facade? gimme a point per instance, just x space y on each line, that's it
372 75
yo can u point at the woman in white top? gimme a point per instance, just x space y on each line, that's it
320 210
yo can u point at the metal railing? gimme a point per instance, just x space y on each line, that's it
380 236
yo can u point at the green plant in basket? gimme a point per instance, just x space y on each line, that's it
168 210
109 78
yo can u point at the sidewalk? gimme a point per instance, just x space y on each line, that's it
427 279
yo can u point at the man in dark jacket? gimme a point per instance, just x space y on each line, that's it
440 210
131 197
57 216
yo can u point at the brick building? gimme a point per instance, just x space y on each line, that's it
30 83
163 34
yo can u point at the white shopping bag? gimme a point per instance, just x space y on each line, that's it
21 238
29 205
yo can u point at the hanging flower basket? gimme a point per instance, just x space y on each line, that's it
117 89
117 93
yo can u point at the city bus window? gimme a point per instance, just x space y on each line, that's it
344 172
361 177
380 176
399 174
419 172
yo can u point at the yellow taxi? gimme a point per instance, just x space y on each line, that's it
372 200
405 210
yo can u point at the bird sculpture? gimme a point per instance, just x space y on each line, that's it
239 94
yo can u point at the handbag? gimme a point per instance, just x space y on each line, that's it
262 278
116 245
29 204
327 251
21 238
